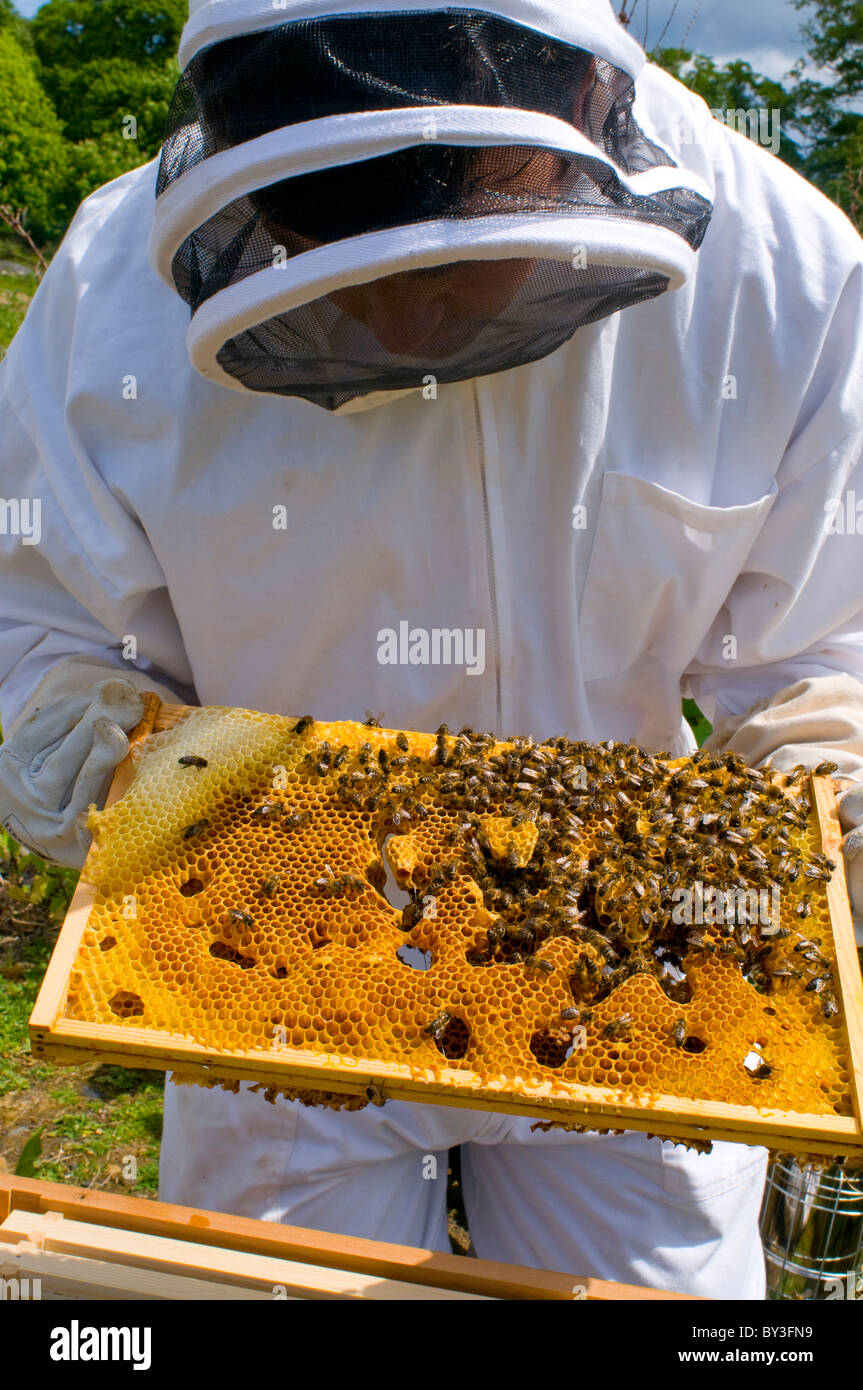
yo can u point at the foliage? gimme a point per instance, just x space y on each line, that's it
105 60
68 33
835 165
15 24
834 34
102 62
700 726
93 163
25 1167
27 879
96 98
33 154
736 87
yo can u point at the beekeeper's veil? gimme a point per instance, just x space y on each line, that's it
359 197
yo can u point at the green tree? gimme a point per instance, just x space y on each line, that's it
72 32
834 37
736 86
105 97
15 23
104 61
33 155
834 34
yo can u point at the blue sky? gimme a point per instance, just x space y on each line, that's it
764 32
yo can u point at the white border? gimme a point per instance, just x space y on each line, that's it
332 141
317 273
589 24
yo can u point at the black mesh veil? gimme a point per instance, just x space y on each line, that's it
498 172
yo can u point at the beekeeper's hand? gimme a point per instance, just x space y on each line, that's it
851 817
58 761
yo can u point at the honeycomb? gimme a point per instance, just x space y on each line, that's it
240 903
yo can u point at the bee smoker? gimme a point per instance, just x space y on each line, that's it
812 1231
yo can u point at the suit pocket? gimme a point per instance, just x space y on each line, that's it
660 569
701 1178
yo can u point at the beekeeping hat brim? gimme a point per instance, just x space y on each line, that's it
354 202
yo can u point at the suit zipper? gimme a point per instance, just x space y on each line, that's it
489 561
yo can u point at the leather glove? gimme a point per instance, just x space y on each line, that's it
58 761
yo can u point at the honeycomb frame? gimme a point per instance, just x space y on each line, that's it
348 1077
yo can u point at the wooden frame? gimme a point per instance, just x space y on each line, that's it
74 1041
109 1246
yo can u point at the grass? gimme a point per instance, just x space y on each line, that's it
90 1126
16 291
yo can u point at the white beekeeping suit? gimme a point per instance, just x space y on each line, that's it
607 430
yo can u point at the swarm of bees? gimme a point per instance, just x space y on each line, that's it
618 832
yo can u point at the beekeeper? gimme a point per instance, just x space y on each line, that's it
440 319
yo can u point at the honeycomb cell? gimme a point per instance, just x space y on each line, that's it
125 1004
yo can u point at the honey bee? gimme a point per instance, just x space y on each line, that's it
818 984
679 1032
192 760
534 963
402 741
303 724
818 873
825 769
243 919
411 916
196 828
495 935
438 1024
269 885
373 721
618 1027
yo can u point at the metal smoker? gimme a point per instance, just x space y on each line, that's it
812 1230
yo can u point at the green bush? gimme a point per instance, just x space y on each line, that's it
96 98
33 154
104 60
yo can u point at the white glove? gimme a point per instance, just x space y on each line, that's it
58 761
851 817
